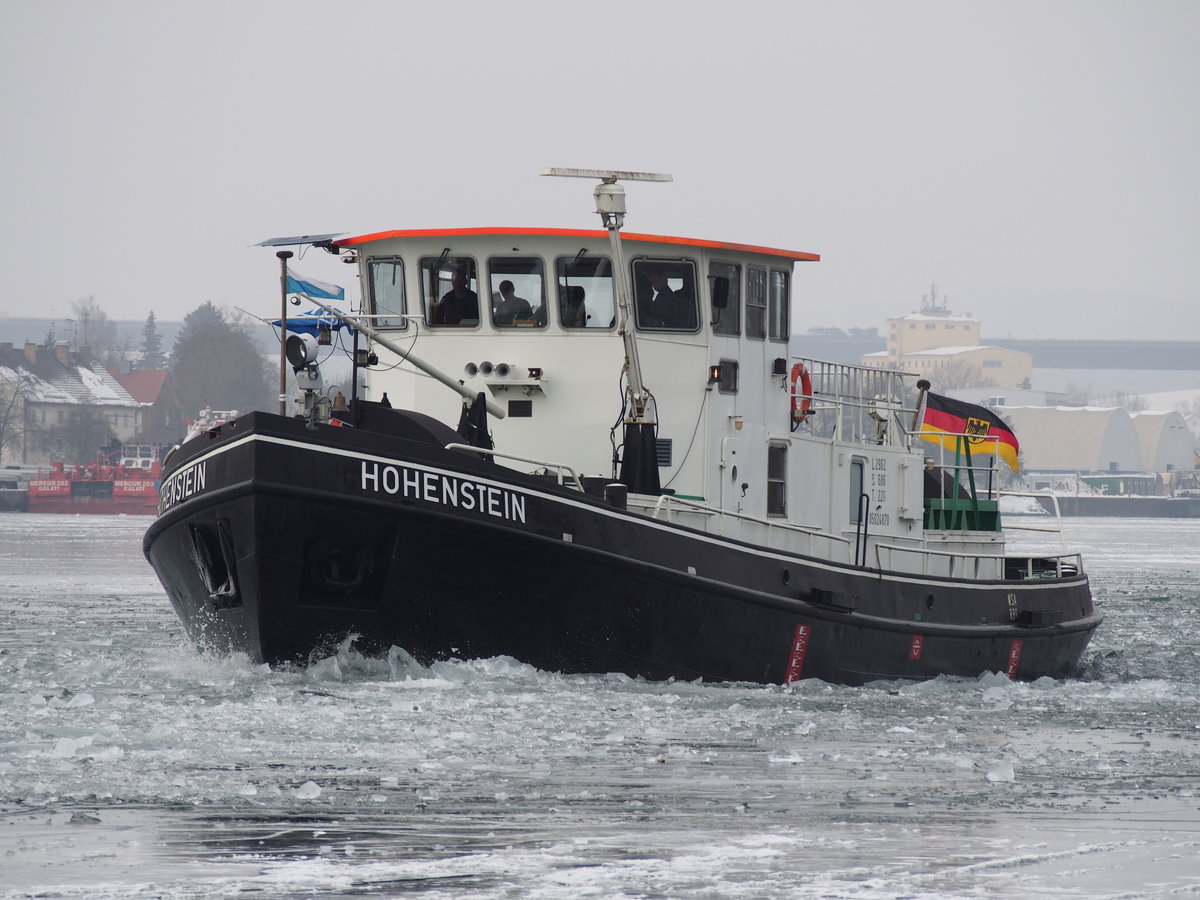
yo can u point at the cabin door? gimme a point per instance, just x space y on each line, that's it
730 477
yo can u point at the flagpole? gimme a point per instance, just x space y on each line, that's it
284 256
922 386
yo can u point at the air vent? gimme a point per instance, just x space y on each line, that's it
662 450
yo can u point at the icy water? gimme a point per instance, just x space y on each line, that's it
133 766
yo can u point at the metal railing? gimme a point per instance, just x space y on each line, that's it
1056 528
971 562
858 403
771 527
558 468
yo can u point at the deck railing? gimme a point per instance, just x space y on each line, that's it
1056 528
666 505
558 468
858 403
969 565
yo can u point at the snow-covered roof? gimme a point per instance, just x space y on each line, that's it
1087 439
51 381
933 317
1165 440
957 349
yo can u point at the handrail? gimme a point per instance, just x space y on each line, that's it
809 531
863 402
558 467
977 557
1062 538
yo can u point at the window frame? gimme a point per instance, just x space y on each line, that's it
560 275
755 327
400 317
540 319
685 261
428 303
735 298
779 309
777 480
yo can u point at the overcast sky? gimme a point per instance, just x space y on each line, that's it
1040 160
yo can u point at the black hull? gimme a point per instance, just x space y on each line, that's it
282 541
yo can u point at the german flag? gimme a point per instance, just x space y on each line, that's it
945 420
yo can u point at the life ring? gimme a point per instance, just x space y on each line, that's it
802 402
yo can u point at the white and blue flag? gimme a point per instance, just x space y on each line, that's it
313 289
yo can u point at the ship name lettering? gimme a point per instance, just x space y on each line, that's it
444 490
183 484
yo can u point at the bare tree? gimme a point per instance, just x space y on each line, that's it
1077 395
13 394
1130 402
958 373
98 334
79 437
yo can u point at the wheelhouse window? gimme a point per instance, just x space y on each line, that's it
586 297
725 283
518 292
665 294
387 293
779 309
449 288
777 479
756 303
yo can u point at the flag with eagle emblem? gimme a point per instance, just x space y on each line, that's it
985 432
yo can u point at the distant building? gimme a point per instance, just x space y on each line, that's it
1166 442
162 415
46 391
945 348
998 398
1075 439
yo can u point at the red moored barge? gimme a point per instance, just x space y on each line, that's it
108 485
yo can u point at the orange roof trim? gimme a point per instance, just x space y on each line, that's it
574 232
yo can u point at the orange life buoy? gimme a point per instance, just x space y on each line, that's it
802 402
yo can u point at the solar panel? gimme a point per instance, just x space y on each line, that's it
299 239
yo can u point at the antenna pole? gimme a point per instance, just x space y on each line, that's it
923 387
284 256
610 204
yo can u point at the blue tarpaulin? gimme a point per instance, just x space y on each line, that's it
309 322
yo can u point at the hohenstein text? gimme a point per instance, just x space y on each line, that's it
445 490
